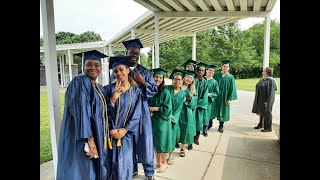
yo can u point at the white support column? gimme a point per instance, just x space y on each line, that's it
108 71
152 57
133 36
50 54
70 69
64 74
194 45
266 48
156 39
61 75
110 50
42 59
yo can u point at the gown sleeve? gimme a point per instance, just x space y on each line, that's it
165 109
232 90
149 87
79 91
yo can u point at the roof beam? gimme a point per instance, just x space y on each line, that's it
216 5
175 5
243 5
212 22
270 5
202 5
178 33
162 5
203 14
173 23
256 5
148 5
189 5
186 24
230 5
226 21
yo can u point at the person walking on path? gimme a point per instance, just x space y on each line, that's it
228 93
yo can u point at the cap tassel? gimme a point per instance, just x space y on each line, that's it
109 143
119 142
104 143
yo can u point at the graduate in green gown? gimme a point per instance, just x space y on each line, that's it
202 103
161 112
187 120
213 91
177 98
228 93
190 66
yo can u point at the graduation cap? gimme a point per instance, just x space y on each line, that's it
119 60
201 64
226 62
189 62
159 71
175 72
211 66
91 55
191 73
133 43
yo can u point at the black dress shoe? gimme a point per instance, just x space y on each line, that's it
266 130
205 134
149 177
220 130
258 127
197 143
190 147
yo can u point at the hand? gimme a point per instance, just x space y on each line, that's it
117 92
191 93
228 103
113 132
119 133
137 76
93 153
209 94
265 104
154 109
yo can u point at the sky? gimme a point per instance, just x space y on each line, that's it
109 17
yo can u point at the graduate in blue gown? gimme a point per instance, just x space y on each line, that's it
85 120
126 99
143 147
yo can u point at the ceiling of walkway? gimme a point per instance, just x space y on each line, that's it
179 18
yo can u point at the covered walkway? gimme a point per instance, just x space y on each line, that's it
165 20
241 152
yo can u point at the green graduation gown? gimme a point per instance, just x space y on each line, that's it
213 90
161 121
228 92
177 104
187 119
202 103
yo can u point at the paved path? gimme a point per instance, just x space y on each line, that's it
240 153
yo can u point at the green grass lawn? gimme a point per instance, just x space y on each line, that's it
45 139
250 84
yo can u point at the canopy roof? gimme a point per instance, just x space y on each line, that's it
178 18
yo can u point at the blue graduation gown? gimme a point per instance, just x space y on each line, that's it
121 156
82 119
144 139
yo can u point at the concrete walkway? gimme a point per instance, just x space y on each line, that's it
240 153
